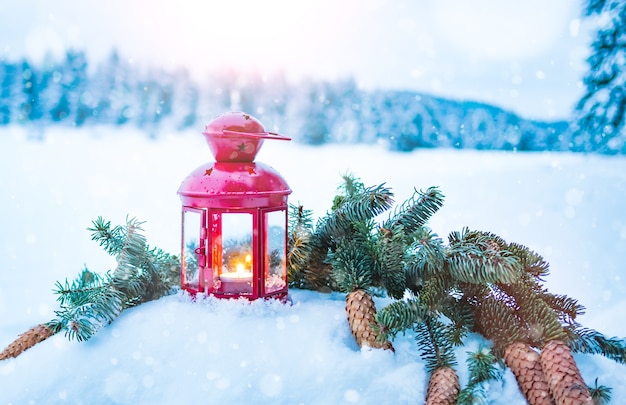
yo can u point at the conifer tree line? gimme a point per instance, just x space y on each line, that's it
71 91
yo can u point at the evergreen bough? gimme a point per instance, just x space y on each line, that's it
476 283
483 367
355 253
92 301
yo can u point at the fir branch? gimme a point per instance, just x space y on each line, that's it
425 257
499 322
316 273
125 277
80 328
473 395
586 340
414 273
431 248
483 367
300 218
160 275
107 306
358 208
415 211
478 244
143 273
300 239
542 321
470 265
80 290
566 308
81 321
435 349
166 266
87 278
352 268
436 292
392 262
531 262
399 316
461 316
478 249
488 240
111 239
90 302
306 256
600 394
351 185
362 232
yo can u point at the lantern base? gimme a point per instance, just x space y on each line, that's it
283 296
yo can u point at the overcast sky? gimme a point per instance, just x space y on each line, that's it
526 56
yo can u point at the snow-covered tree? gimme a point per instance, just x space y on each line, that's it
8 77
55 93
600 116
30 107
111 87
310 109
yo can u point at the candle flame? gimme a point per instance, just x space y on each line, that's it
239 273
242 269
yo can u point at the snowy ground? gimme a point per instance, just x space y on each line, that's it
569 208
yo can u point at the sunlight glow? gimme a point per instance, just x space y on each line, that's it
241 34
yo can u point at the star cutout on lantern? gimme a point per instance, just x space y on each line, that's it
242 147
246 116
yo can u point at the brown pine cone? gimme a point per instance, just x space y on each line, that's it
566 383
525 364
361 315
26 340
443 387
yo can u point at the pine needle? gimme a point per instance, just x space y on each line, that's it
416 211
91 301
590 341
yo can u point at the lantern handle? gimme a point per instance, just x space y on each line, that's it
260 135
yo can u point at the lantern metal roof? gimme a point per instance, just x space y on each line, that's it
234 180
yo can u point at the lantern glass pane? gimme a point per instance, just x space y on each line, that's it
237 258
193 248
276 254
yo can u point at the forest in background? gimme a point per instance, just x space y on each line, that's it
73 92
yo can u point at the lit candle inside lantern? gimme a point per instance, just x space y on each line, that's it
240 280
239 274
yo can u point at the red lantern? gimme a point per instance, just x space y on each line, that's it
234 216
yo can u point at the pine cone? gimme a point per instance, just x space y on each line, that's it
563 376
361 315
26 340
443 387
525 364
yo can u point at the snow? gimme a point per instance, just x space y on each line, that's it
567 207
